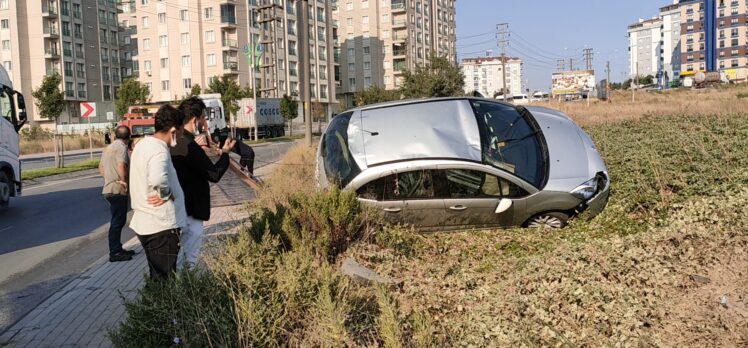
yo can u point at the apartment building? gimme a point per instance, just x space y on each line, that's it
669 55
128 43
644 47
729 36
75 38
181 43
382 38
486 75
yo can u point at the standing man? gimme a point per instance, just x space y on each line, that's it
157 198
113 167
195 171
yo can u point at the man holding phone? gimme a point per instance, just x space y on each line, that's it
196 171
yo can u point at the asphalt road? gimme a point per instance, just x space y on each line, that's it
57 230
49 162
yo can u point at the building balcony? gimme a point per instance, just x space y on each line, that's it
230 44
51 32
228 22
397 6
49 10
230 67
70 93
399 23
51 53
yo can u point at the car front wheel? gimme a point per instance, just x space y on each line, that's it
552 220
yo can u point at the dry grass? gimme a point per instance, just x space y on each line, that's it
71 142
293 174
713 101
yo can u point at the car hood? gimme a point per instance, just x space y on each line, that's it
573 158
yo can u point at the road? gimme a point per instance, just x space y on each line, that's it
57 230
48 162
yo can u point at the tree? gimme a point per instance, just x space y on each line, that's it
375 94
50 102
196 90
290 110
132 92
230 92
437 78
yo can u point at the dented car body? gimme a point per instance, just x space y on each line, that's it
460 163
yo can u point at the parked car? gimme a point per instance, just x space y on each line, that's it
461 163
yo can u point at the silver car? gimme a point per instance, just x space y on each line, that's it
462 163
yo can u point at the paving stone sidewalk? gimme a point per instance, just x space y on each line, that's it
80 314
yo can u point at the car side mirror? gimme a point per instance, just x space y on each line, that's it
21 102
504 205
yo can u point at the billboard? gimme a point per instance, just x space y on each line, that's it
572 82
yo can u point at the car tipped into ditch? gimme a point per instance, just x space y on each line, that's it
463 163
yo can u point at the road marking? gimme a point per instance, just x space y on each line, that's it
60 182
5 228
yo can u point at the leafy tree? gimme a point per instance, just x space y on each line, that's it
196 90
50 103
375 94
132 92
437 78
290 110
230 92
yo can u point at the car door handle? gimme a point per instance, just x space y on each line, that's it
458 207
393 210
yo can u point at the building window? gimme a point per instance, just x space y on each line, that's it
162 18
163 41
4 24
187 83
165 85
147 66
146 22
349 6
146 44
367 65
6 45
183 15
352 83
186 61
164 63
185 38
210 36
3 4
208 11
211 58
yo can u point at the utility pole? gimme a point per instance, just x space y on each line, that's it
571 64
588 58
634 84
306 76
502 34
607 82
561 64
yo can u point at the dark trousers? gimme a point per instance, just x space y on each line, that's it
161 250
118 205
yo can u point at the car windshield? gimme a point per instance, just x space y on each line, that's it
509 142
340 168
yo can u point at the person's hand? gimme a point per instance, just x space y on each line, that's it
228 145
155 200
123 184
200 140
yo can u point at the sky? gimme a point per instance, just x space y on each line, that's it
543 31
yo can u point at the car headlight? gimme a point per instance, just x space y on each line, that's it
586 190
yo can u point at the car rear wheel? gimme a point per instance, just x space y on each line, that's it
5 187
552 220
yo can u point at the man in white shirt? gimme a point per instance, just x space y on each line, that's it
156 196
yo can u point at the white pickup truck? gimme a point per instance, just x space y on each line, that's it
12 118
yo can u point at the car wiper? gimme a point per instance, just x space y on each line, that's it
511 140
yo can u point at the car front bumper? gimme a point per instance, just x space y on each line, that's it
597 203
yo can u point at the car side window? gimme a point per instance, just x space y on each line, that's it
463 183
374 190
409 185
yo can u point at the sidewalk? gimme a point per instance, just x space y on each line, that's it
67 153
79 314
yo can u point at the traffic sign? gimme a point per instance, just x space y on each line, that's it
88 109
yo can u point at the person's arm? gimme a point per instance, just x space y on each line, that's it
123 162
201 163
158 179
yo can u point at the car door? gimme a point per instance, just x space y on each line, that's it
406 198
474 197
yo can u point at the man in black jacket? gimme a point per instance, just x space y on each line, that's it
195 170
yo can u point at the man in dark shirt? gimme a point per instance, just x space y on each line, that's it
195 170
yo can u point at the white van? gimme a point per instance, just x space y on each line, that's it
521 99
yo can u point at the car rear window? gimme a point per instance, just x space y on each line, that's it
510 142
340 167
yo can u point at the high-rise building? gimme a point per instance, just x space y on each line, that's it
382 38
644 47
485 75
128 43
75 38
669 69
181 43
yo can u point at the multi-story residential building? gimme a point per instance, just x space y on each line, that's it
644 47
669 55
382 38
729 35
485 75
75 38
128 43
181 43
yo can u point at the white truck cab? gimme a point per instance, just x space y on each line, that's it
214 111
12 118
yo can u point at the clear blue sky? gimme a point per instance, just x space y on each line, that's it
543 31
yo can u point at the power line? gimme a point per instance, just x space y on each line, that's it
476 35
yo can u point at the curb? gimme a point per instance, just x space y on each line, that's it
58 177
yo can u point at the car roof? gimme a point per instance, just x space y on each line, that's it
418 101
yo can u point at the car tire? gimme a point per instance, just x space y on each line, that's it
5 190
550 220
